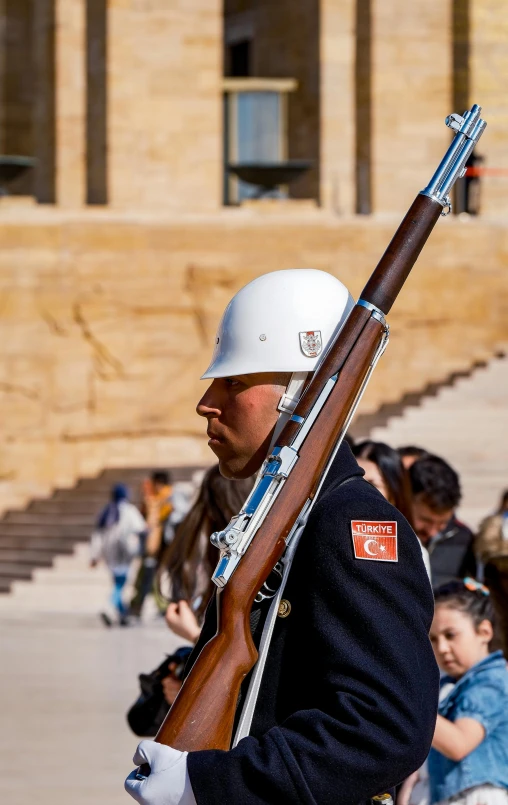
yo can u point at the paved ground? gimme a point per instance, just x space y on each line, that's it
66 683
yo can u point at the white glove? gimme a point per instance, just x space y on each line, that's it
168 782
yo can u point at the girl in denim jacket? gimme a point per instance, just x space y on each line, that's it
468 762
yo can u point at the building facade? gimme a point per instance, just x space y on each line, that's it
121 244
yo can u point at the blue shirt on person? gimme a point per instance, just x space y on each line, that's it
482 694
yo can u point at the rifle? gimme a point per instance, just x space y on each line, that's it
203 713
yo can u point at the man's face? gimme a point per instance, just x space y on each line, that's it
428 522
241 412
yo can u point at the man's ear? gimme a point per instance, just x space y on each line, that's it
485 630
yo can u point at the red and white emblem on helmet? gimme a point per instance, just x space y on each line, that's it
311 343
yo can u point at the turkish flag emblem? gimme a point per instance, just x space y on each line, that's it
375 540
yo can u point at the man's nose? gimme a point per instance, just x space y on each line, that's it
209 404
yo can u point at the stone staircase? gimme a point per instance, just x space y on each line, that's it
44 552
467 424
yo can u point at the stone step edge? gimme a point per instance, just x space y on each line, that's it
365 423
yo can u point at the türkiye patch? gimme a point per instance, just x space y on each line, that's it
375 540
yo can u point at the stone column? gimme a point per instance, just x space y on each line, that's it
488 81
165 105
337 106
70 66
411 73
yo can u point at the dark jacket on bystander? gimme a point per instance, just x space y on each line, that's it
451 554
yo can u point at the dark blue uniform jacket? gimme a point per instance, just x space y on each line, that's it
348 701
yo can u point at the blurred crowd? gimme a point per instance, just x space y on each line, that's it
161 548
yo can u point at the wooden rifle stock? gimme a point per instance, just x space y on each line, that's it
203 713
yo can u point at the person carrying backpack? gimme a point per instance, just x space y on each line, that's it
116 540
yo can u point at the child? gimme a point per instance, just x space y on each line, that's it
468 762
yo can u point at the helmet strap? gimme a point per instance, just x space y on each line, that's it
291 396
288 403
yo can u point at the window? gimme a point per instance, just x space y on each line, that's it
255 128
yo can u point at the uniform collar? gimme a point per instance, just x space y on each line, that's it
344 466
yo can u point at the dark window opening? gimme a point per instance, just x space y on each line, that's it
239 59
363 107
96 102
463 199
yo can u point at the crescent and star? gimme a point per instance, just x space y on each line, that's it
382 548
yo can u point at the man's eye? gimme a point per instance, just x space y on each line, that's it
230 381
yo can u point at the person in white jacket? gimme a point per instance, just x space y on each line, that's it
116 540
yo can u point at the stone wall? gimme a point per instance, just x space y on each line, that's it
107 322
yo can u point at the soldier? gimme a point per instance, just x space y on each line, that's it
347 704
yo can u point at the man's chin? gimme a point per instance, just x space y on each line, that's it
230 464
238 466
233 469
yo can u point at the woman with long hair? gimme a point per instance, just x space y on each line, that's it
183 580
384 469
184 576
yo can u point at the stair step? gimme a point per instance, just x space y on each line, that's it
30 556
46 577
74 532
16 570
49 545
65 597
68 519
65 507
92 500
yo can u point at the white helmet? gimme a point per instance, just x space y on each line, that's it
279 322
